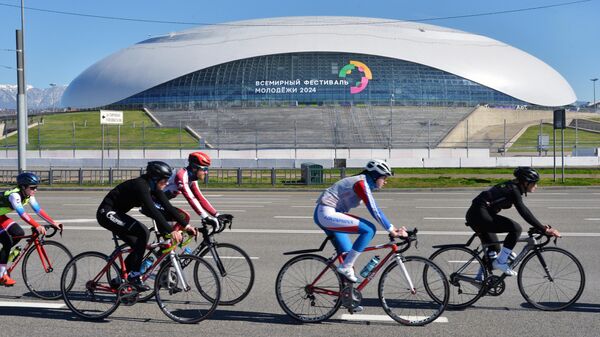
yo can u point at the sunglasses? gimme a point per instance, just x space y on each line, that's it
203 168
33 188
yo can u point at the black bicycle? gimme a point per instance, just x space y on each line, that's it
232 264
549 278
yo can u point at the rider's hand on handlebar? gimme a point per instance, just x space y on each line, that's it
398 232
552 232
191 230
58 227
41 230
213 222
176 236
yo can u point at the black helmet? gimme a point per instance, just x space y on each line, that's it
526 174
27 179
158 170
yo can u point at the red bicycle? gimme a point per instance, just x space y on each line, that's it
43 263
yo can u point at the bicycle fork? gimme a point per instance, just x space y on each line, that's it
178 270
404 273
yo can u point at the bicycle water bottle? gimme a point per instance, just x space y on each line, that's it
146 264
370 266
187 251
14 253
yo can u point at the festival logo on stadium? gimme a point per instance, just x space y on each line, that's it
366 75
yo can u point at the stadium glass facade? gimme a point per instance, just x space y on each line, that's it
316 78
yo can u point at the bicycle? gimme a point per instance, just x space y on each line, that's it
232 263
100 286
549 278
42 276
309 289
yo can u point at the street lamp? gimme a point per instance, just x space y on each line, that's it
53 93
594 86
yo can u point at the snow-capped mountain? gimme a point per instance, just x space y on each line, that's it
46 98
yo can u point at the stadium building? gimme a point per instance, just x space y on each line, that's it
343 78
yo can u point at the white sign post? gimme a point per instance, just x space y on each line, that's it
110 117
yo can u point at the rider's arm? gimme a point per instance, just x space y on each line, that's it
148 204
39 211
161 197
203 201
15 201
361 188
524 211
183 184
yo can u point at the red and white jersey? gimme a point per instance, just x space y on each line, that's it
179 183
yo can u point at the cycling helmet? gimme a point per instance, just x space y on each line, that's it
158 170
198 159
526 174
27 179
378 168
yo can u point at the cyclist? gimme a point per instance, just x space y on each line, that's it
332 205
185 181
143 191
483 216
14 200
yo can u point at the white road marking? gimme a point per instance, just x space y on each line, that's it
292 217
384 318
442 207
444 218
37 305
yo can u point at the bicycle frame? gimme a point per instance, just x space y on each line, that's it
37 240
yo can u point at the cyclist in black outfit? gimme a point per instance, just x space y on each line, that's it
483 216
140 192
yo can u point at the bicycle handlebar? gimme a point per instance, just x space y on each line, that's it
187 239
224 220
407 240
539 235
47 227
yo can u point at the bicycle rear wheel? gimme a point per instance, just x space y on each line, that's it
413 306
45 282
308 289
90 295
555 287
193 303
465 272
239 272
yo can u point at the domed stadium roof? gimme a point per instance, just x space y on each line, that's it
474 57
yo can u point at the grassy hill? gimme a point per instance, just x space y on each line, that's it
82 130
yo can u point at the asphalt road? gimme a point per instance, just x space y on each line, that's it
270 223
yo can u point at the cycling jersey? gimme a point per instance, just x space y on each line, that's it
504 196
349 192
13 200
180 183
137 193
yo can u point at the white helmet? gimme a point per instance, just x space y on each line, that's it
379 167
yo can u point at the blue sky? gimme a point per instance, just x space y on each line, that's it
59 47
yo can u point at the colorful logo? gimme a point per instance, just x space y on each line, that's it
362 84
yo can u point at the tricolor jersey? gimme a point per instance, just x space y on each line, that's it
11 200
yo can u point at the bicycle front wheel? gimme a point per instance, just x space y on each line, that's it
415 297
308 288
237 273
42 273
465 272
90 295
551 279
190 296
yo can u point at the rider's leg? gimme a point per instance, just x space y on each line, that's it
505 225
8 232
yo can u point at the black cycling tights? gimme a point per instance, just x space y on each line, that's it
134 233
486 223
7 241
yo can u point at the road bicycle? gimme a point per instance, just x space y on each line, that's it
412 289
232 263
43 263
100 284
549 278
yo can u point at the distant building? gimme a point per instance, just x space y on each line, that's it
294 61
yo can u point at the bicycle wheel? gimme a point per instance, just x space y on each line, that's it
413 306
45 282
555 287
193 303
238 270
308 289
465 272
90 295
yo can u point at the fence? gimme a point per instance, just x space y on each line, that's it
222 177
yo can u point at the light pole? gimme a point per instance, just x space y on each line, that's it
594 86
53 95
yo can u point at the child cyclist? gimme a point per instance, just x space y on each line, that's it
185 181
14 200
332 205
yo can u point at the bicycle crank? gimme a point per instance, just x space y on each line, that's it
495 285
128 295
351 297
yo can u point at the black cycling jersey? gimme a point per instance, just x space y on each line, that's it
137 193
504 196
